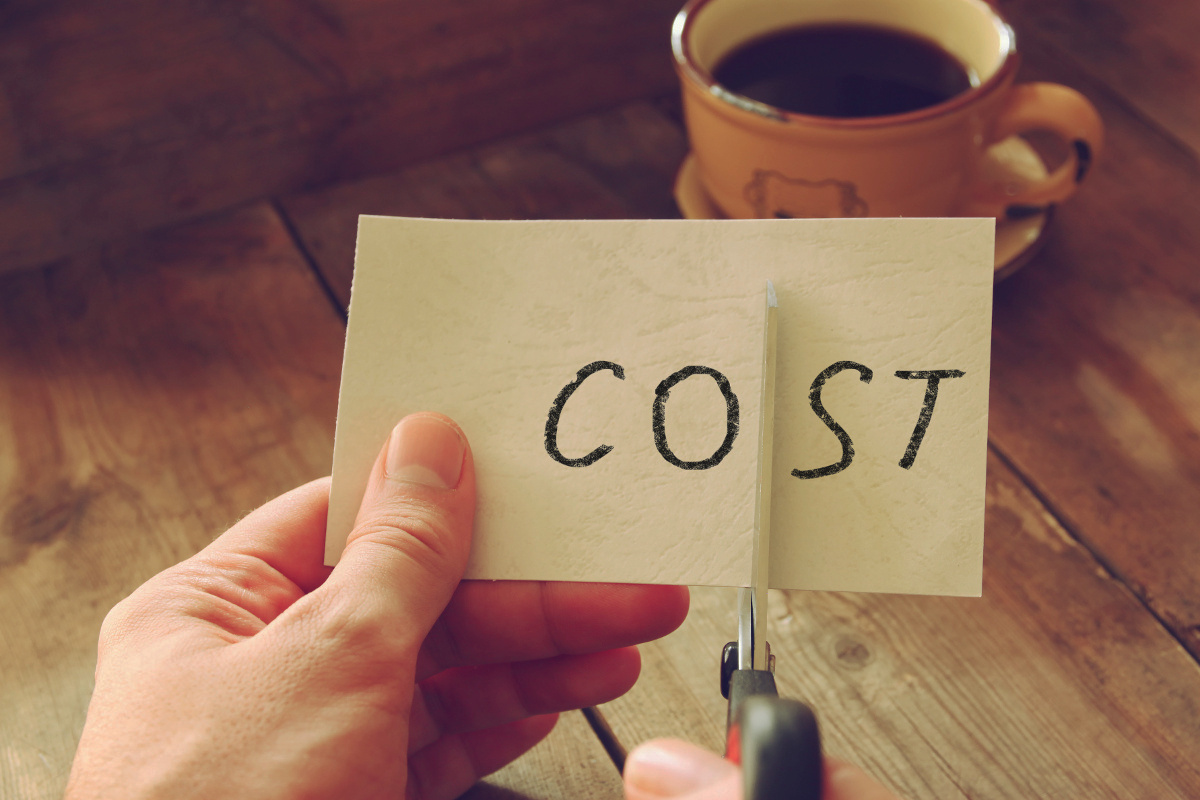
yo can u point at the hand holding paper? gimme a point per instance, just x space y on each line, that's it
251 669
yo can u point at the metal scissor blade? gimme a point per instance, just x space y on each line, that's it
752 602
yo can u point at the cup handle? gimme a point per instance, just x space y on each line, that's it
1061 111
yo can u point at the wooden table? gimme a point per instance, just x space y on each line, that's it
170 358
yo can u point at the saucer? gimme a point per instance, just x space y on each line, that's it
1013 160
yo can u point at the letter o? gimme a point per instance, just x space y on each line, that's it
660 417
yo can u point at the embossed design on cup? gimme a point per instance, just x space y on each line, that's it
776 195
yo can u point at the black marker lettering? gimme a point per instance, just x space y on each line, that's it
931 393
557 409
814 400
660 417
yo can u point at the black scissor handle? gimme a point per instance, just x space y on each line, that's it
778 744
776 740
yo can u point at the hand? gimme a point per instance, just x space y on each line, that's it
252 671
667 769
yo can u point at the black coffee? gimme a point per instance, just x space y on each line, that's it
843 70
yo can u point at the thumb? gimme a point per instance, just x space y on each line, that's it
669 768
410 541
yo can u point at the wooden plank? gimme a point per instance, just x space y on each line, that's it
1095 395
124 116
1055 684
1144 52
619 164
151 394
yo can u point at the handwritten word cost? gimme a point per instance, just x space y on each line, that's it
662 393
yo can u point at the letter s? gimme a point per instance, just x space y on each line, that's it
814 400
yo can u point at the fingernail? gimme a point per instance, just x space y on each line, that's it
671 769
427 451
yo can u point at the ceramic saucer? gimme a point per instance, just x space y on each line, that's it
1012 161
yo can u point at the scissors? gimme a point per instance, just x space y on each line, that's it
776 740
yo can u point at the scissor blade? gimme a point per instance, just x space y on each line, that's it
752 616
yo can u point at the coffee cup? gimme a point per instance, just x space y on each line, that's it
855 108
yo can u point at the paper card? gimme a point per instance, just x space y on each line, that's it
646 337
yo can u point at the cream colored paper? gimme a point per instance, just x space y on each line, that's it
488 321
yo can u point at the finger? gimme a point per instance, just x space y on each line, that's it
668 768
476 698
287 534
845 781
499 621
410 541
453 764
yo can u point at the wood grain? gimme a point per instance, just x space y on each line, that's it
1055 683
1095 397
152 394
619 164
1144 53
122 116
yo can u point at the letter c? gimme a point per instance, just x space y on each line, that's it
557 409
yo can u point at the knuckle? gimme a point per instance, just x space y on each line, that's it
415 786
130 615
434 703
418 531
526 693
114 624
360 635
350 624
232 569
